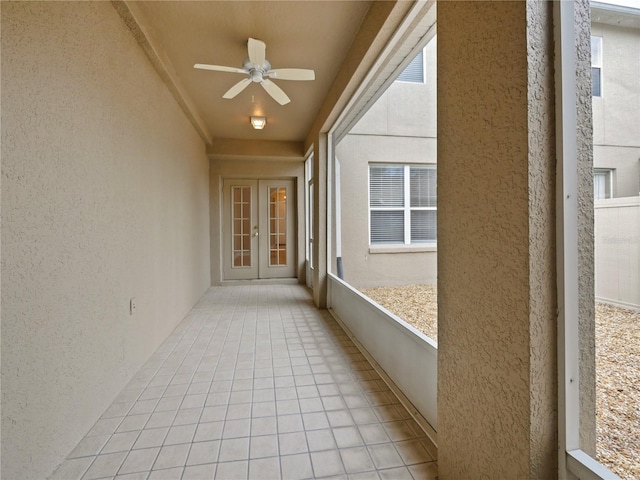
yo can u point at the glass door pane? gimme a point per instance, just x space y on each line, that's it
241 224
277 239
277 226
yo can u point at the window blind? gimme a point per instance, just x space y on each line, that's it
596 66
414 71
601 184
423 226
387 226
386 186
423 187
596 82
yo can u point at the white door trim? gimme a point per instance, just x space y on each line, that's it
254 245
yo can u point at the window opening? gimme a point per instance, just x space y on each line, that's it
402 202
414 72
596 66
616 223
602 182
615 446
309 177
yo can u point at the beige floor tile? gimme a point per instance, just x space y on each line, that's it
296 467
263 446
327 463
264 468
172 456
254 383
356 460
105 466
203 452
139 460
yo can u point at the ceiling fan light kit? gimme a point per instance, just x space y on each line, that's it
258 122
258 70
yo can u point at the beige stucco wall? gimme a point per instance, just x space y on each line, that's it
399 128
253 169
616 114
105 198
586 296
496 284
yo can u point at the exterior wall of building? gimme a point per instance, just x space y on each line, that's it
616 114
104 198
399 128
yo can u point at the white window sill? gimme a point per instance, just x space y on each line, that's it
415 248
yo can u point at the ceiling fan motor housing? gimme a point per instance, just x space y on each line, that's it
256 73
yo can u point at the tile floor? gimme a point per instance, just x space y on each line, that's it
255 383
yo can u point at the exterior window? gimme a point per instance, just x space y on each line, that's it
596 66
309 175
414 71
602 179
402 204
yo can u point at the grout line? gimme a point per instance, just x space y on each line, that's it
432 447
288 325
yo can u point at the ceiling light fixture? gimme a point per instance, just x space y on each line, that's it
258 122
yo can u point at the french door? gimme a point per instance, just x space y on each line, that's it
258 229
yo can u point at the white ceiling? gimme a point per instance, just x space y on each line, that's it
298 34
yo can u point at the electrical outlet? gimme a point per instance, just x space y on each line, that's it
132 306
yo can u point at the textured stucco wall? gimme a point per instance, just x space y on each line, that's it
496 262
586 267
543 418
245 169
105 197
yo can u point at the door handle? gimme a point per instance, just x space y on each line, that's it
255 234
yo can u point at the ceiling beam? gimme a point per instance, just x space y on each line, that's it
142 31
222 148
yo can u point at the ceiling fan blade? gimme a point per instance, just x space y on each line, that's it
237 88
275 91
219 68
257 49
292 74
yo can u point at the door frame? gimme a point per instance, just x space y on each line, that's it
260 267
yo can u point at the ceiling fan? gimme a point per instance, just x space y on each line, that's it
259 71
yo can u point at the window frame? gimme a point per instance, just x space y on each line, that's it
407 244
608 182
309 210
573 462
